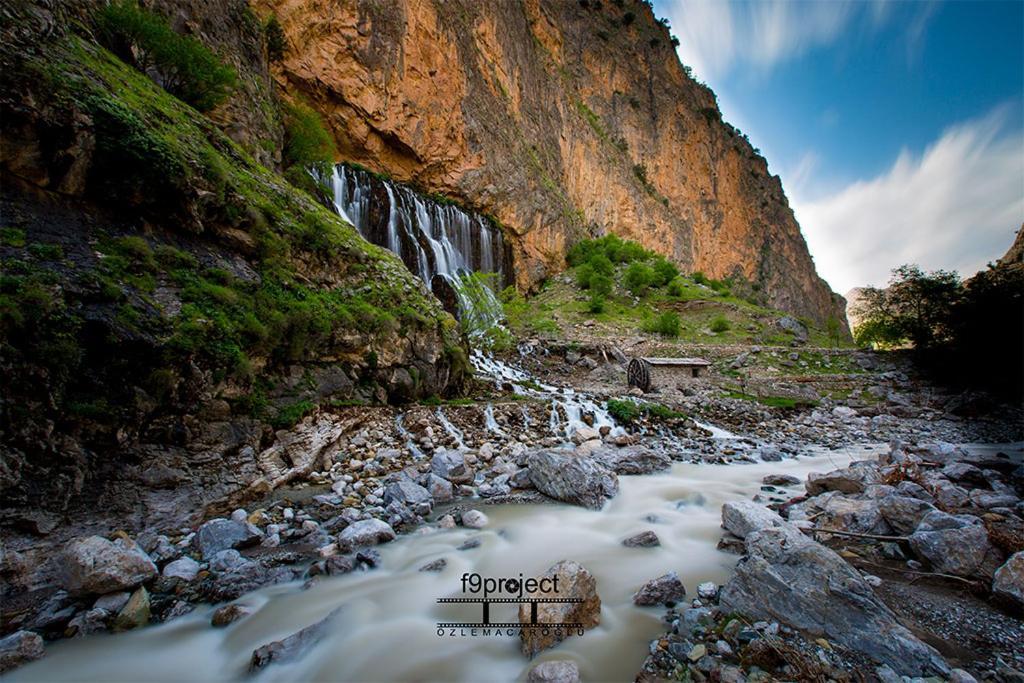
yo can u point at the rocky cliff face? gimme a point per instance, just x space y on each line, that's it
561 119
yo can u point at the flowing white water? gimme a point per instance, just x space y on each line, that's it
452 430
433 239
387 631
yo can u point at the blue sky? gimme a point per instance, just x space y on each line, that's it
897 127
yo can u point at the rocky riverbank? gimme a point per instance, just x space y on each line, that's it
906 566
352 478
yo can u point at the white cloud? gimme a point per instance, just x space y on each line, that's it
955 207
714 35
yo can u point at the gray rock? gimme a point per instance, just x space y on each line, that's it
644 539
228 560
743 517
435 566
912 489
707 590
574 480
779 480
409 493
294 645
1008 583
861 516
904 513
88 622
584 434
366 532
474 519
112 602
789 578
223 534
664 590
955 544
440 489
451 465
556 671
95 565
184 568
19 648
631 459
852 479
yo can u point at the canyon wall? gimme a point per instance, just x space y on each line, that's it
560 119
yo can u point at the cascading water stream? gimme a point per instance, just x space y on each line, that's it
441 243
451 429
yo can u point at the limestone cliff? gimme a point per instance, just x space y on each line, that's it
561 119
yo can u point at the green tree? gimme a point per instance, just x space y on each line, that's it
181 64
914 309
277 42
638 278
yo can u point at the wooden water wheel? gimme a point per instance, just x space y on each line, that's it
638 374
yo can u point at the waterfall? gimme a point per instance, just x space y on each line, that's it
447 247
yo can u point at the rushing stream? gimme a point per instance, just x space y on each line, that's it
386 628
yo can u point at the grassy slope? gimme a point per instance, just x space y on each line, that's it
561 305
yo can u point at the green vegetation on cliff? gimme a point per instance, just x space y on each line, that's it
236 273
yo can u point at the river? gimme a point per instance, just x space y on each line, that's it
386 629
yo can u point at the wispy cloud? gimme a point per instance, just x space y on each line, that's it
715 34
956 206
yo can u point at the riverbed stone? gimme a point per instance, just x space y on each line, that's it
852 479
135 612
955 544
474 519
1008 583
664 590
293 646
570 479
573 581
904 513
229 614
20 647
780 480
96 565
556 671
366 532
789 578
584 434
743 517
184 568
644 539
631 459
451 465
861 516
440 489
224 534
409 493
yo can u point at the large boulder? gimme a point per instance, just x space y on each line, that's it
570 479
631 459
408 493
904 513
1008 585
95 565
664 590
451 465
743 517
569 580
955 544
225 534
19 648
852 479
365 532
789 578
856 515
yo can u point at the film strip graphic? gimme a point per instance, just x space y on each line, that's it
486 617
